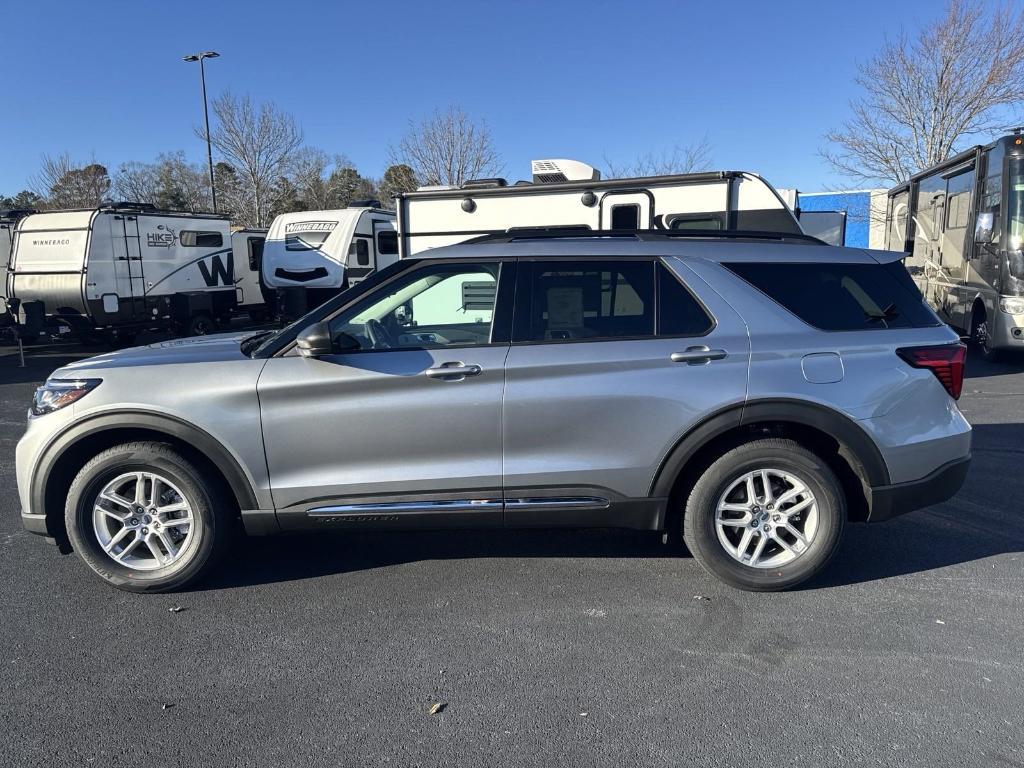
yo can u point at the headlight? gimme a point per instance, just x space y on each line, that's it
1012 306
56 393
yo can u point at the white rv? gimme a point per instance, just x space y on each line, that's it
126 267
568 193
319 253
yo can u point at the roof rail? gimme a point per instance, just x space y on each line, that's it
581 232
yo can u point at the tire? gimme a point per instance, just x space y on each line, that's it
200 324
980 338
138 569
778 568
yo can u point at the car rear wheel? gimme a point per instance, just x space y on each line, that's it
144 518
765 516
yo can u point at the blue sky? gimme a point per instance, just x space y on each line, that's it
587 80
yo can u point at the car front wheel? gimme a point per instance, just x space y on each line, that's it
144 518
765 516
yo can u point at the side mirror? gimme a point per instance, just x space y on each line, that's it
984 228
315 340
345 342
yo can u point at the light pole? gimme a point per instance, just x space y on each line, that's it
206 115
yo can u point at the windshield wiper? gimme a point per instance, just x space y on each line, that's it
250 342
889 313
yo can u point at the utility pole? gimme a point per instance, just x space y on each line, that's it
200 57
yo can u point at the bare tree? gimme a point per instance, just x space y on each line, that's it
397 179
680 159
259 144
182 186
67 184
448 148
960 76
171 182
311 178
137 182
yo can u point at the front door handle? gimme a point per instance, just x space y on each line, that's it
698 355
453 371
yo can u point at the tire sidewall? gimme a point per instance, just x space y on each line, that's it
983 343
703 537
78 517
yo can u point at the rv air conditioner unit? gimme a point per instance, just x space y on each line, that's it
551 171
364 203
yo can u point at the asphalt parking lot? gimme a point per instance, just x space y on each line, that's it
594 648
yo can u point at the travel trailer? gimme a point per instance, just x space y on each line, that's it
247 258
962 225
314 254
569 193
122 268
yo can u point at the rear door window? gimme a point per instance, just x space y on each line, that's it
842 297
588 300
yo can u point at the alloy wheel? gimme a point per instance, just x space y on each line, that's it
766 518
143 521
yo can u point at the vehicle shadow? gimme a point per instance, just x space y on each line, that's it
981 521
977 367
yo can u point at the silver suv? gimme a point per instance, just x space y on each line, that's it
754 393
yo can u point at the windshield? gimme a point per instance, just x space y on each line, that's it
1015 217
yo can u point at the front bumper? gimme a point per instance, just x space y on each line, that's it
888 501
38 434
1008 331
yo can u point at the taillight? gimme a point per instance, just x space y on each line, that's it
945 361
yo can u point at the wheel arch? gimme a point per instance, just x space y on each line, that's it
849 451
62 459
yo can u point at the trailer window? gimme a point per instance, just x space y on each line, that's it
360 248
191 238
626 216
842 297
698 221
255 253
387 243
305 241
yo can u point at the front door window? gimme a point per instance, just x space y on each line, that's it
441 305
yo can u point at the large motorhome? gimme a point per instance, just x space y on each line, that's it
568 193
961 223
318 253
122 268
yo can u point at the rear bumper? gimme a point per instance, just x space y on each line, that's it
888 501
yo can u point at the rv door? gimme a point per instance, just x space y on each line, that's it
385 238
129 283
626 210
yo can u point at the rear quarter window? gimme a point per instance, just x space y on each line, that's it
842 297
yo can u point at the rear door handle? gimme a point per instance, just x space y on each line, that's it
453 371
698 355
